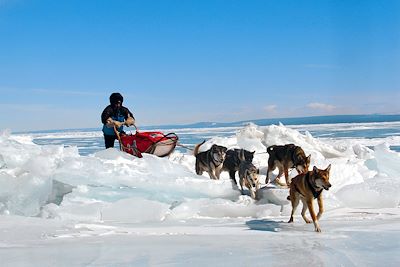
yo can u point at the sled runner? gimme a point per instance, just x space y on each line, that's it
155 143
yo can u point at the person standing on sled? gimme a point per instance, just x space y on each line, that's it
115 115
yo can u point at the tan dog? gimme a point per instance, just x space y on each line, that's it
284 158
306 187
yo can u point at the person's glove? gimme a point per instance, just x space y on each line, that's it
118 124
130 121
109 123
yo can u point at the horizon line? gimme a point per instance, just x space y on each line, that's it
214 122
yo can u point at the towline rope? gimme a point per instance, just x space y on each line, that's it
178 144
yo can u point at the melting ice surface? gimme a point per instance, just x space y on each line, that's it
56 182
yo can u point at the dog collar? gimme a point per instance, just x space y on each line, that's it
313 189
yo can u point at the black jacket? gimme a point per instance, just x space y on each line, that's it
110 112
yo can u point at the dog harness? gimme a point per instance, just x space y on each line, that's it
313 190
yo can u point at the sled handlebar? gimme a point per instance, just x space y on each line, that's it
118 134
134 125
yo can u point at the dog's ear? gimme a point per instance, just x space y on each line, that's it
315 170
328 168
213 148
270 148
253 152
309 158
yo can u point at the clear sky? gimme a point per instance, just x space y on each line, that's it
186 61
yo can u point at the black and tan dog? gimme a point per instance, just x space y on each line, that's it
307 187
232 161
286 157
210 161
248 175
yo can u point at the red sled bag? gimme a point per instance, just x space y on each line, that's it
155 143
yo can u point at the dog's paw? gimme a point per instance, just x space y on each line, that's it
317 229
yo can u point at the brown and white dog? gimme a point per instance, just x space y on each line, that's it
210 161
286 157
307 187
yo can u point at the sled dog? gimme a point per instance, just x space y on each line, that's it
248 175
286 157
210 161
232 161
307 187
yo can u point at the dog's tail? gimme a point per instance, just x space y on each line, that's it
196 148
270 149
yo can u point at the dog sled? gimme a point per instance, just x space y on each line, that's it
156 143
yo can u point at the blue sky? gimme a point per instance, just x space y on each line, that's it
189 61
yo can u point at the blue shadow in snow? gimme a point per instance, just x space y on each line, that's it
266 225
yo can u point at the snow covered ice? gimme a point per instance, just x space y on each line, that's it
111 209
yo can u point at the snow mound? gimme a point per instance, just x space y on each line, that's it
53 181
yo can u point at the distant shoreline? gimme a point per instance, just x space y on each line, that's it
331 119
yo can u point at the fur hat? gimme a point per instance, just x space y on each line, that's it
115 97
